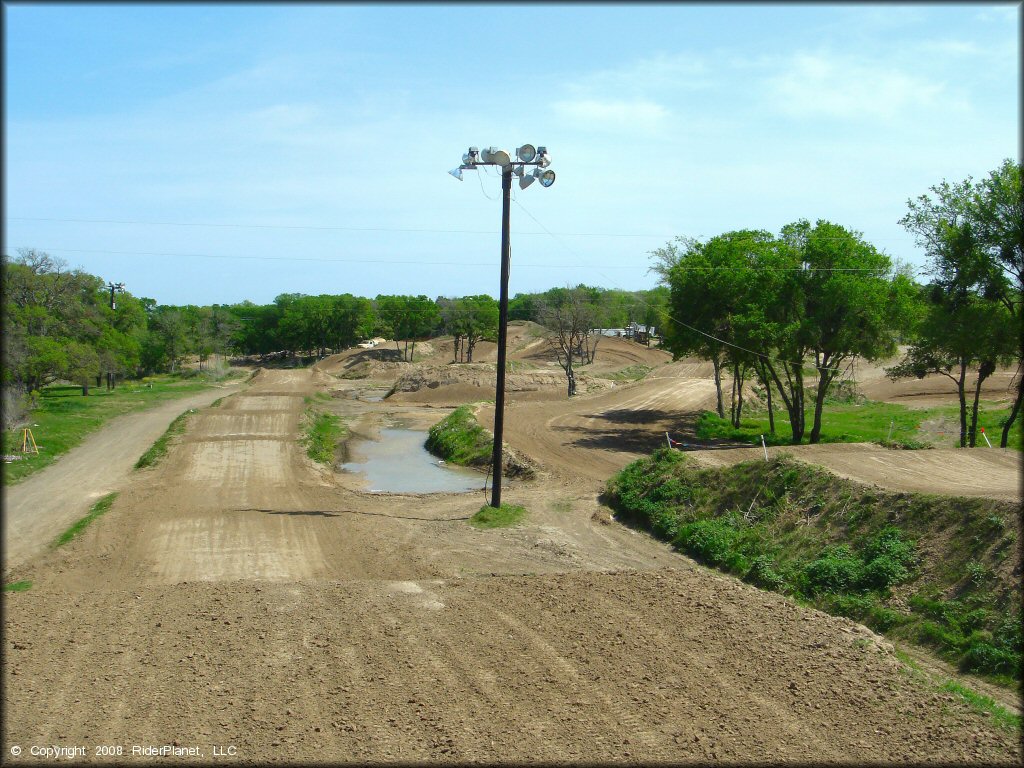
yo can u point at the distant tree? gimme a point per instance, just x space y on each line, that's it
82 364
709 283
406 319
479 321
568 316
973 236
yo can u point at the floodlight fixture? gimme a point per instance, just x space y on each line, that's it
495 156
526 181
456 172
545 177
526 153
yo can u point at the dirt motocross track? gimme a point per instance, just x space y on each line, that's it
239 596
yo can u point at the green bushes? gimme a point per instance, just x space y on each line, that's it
968 631
795 529
458 438
323 431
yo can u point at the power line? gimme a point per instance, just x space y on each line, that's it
104 251
665 314
317 227
311 258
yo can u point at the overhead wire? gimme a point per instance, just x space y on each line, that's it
666 315
329 228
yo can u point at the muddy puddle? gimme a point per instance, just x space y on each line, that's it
398 463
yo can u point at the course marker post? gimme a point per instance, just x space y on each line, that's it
985 436
669 440
889 436
763 445
28 437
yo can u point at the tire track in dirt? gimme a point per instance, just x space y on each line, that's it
47 503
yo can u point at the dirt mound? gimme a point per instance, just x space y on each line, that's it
933 389
469 382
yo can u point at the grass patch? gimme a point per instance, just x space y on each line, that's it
322 433
931 570
159 449
867 422
630 373
458 438
99 508
63 417
18 586
983 704
503 517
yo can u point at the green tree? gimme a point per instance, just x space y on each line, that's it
82 364
973 236
406 319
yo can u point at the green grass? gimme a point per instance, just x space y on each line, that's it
64 417
322 433
99 508
459 439
18 586
630 373
159 449
504 516
846 549
982 704
868 422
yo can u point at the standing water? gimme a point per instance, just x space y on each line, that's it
400 463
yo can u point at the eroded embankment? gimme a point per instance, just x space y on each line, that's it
939 571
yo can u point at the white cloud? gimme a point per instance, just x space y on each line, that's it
1000 13
612 115
655 74
820 85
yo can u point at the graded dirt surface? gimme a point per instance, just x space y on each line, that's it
239 596
45 504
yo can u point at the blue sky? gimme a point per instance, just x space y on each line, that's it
259 150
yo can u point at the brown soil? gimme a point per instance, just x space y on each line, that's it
238 595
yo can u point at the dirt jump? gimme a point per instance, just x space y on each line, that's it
241 603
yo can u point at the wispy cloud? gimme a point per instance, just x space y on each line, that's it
613 114
843 87
649 75
1000 13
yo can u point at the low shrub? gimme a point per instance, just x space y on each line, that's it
836 571
763 574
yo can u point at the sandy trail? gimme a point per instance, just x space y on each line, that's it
237 595
47 503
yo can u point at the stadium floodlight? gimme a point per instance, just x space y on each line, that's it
545 177
526 153
527 180
457 173
495 156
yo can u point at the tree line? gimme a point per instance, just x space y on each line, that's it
793 310
64 324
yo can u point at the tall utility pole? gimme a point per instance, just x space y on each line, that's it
525 155
113 287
